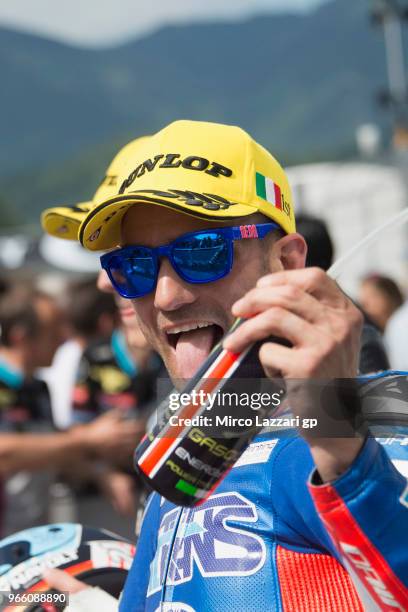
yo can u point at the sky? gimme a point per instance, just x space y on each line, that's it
106 22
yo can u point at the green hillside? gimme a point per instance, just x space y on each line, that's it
300 84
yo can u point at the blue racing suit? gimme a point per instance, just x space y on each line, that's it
272 538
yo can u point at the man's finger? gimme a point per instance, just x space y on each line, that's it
276 359
62 581
273 322
312 280
289 297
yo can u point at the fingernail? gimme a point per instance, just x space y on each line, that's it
237 306
227 342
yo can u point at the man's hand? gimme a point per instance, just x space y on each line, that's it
110 436
307 308
120 490
83 598
62 581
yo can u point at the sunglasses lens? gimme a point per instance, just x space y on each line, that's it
133 274
203 257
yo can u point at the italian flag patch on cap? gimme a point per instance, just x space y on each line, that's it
268 190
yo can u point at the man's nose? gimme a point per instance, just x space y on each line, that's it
103 283
171 291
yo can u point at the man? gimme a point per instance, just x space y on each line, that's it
30 333
64 222
115 372
381 297
108 377
143 366
301 520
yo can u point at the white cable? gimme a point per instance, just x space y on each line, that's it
335 270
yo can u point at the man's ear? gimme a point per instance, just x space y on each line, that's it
289 253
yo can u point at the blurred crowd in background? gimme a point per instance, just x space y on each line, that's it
78 385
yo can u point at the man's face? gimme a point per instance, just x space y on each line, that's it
183 321
134 336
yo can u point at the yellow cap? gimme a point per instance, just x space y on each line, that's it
207 170
64 221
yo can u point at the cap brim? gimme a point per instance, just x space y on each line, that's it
63 221
101 229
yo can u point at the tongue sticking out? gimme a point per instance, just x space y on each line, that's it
192 348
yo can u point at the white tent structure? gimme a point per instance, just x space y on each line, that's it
355 198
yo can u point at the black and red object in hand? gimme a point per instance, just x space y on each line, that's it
185 462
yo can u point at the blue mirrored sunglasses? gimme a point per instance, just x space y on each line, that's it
197 257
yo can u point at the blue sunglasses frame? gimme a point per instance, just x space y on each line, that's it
119 257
